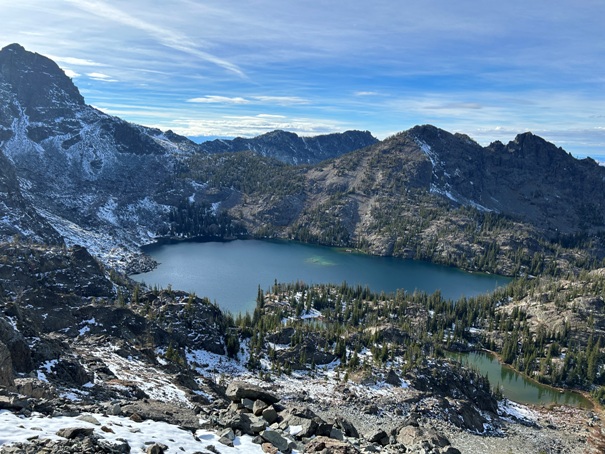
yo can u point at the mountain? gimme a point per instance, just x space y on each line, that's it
425 193
292 149
98 180
529 178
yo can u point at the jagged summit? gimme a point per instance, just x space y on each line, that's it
38 83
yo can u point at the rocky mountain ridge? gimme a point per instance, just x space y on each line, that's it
292 149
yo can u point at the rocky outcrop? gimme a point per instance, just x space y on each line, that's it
6 366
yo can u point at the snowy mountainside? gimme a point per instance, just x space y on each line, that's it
98 179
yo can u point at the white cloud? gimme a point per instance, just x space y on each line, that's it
251 125
70 73
101 77
74 61
211 99
281 100
272 100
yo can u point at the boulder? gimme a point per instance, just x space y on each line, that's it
336 434
74 432
326 445
258 426
236 391
226 441
227 433
259 406
277 440
302 427
393 378
90 419
412 437
241 422
269 448
378 436
156 448
270 414
162 411
32 387
13 402
248 404
347 427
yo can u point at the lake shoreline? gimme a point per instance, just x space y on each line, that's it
582 392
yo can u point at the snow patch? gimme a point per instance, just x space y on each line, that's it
19 429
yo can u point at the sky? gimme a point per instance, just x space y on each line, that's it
217 68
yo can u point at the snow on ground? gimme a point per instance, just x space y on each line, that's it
521 412
47 366
15 429
211 365
154 382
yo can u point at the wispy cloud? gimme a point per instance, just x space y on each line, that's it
281 100
165 36
71 73
73 61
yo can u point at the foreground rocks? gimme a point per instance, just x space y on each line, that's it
283 428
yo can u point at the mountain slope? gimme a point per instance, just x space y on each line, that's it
529 178
90 174
427 194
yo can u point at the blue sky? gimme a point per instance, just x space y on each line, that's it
242 68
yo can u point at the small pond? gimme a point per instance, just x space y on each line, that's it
517 387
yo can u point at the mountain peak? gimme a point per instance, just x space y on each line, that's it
37 81
15 47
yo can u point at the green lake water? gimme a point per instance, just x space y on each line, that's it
515 386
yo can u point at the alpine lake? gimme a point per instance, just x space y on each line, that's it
230 273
